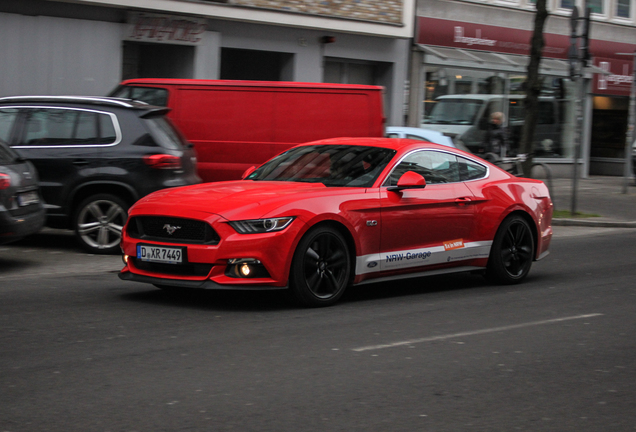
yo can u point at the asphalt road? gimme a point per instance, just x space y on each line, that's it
81 350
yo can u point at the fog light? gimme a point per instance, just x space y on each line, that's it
124 258
245 268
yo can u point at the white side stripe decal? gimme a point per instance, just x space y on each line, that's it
396 260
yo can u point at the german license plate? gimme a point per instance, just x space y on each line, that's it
160 254
27 198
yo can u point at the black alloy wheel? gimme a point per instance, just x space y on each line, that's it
512 251
321 268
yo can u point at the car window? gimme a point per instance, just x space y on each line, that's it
6 155
164 133
331 165
470 170
7 119
61 126
434 166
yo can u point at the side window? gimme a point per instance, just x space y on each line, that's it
470 170
57 126
7 119
435 167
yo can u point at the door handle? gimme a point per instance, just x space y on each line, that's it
463 201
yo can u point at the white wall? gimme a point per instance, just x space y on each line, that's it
55 56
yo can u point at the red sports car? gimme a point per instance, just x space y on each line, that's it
332 213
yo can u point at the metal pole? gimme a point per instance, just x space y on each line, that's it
577 140
630 129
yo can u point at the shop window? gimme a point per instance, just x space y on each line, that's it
595 5
346 72
465 117
155 60
566 4
622 8
244 64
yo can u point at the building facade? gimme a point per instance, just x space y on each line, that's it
89 46
473 54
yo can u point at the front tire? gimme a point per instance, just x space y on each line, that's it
321 268
512 252
98 222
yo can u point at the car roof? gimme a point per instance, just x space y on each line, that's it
390 143
91 100
245 83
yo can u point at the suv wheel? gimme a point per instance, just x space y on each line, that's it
98 222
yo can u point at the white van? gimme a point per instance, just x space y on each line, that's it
464 118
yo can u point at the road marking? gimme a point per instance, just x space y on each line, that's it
472 333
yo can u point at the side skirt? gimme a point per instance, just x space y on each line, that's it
420 274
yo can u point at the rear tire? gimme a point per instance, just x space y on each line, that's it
321 268
98 222
512 252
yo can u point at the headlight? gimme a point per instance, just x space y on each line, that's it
257 226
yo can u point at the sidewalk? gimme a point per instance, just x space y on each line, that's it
601 195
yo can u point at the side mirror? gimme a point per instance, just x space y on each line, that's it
248 171
409 180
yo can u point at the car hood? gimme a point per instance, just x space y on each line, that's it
227 199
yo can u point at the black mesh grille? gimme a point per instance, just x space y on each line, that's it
187 269
172 230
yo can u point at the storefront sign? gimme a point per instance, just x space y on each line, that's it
144 27
458 34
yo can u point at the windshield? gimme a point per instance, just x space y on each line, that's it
331 165
457 111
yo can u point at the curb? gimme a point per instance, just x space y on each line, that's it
592 223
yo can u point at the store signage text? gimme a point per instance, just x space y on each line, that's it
477 40
605 82
165 28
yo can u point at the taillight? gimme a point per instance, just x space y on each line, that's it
5 181
163 161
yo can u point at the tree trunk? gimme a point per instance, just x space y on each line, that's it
533 87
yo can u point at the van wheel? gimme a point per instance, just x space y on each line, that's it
98 222
321 268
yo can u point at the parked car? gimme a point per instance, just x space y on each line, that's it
421 134
237 124
465 119
95 157
331 213
21 208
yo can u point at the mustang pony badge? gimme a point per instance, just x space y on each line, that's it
171 228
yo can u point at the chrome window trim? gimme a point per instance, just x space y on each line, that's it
113 117
70 99
388 176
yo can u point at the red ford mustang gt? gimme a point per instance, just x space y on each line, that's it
332 213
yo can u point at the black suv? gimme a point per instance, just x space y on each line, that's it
95 157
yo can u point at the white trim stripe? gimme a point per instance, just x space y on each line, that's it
396 260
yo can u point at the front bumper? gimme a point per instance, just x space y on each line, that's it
193 284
